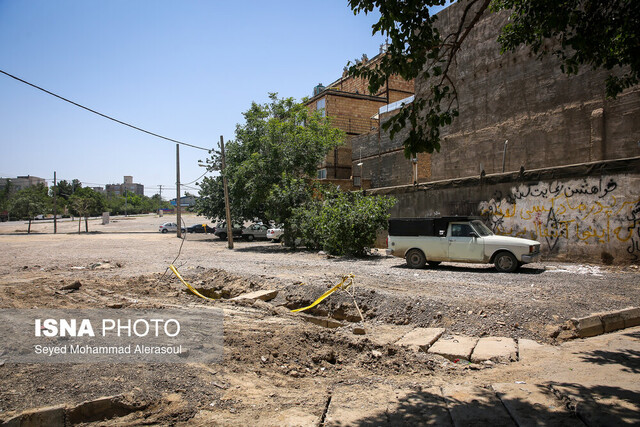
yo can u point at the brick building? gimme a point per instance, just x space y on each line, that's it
353 109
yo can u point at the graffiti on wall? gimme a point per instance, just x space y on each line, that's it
587 212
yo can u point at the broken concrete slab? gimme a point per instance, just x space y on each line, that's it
496 349
475 406
101 408
589 326
50 416
264 295
98 409
320 321
534 405
455 347
420 338
384 334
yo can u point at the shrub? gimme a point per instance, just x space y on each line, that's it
340 223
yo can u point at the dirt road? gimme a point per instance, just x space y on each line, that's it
275 367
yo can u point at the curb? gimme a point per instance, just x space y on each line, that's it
601 323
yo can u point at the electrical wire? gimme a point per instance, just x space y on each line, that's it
191 182
184 237
103 115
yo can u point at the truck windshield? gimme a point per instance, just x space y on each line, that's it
482 229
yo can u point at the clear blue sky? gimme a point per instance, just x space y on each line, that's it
183 69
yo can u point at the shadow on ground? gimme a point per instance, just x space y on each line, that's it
486 407
473 269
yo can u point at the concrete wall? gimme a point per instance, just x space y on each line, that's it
383 158
549 118
593 217
588 212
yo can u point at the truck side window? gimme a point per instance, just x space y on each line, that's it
461 230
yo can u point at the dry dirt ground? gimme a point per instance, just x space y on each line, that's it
277 369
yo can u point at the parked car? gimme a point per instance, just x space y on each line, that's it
458 239
255 231
201 228
169 226
276 233
221 231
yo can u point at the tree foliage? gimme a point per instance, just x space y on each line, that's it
30 202
134 203
279 142
5 195
340 223
66 188
599 34
85 202
592 33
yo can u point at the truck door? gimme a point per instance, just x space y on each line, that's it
462 245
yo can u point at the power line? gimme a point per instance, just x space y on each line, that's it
102 115
191 182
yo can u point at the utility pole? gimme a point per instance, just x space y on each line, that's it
160 201
226 197
178 217
55 204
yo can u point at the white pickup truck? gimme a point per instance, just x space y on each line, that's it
458 239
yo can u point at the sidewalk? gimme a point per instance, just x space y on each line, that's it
593 382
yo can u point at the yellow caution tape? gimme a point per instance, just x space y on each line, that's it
341 284
191 288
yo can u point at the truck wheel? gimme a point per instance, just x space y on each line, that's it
433 263
223 236
415 258
505 262
250 237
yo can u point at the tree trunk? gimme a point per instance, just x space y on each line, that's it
86 224
79 223
29 229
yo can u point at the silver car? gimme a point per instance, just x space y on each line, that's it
169 226
255 231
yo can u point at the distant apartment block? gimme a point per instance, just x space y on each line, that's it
128 185
22 182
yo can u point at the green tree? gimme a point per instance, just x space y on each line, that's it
5 195
594 33
279 141
86 202
341 223
66 188
29 202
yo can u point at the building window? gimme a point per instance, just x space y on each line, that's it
322 106
357 182
322 174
